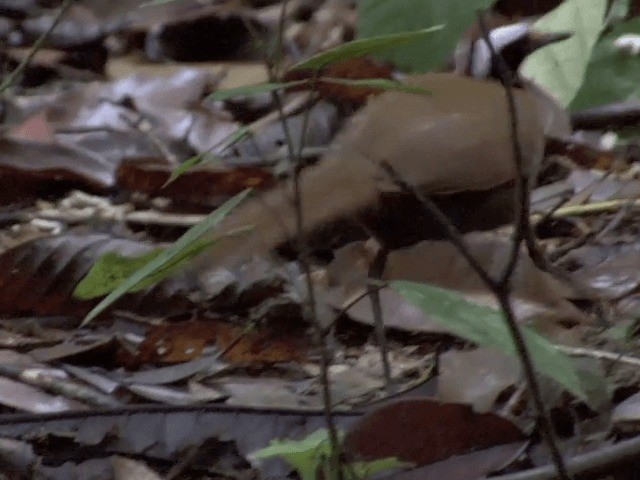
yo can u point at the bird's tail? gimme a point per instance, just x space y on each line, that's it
334 188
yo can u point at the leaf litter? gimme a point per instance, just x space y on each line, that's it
219 364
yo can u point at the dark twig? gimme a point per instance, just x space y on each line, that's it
502 293
451 232
501 287
523 177
310 311
523 231
11 78
351 303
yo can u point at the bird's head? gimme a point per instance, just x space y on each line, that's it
512 42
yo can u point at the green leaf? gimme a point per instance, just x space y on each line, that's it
383 17
381 83
112 269
221 146
308 455
228 93
305 456
612 75
560 67
365 46
486 327
176 253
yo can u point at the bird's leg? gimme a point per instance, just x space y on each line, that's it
376 269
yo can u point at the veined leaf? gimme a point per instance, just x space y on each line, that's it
112 269
486 327
176 253
225 143
364 46
560 67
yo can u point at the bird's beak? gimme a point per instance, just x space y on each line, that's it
541 39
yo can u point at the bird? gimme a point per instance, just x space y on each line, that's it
453 145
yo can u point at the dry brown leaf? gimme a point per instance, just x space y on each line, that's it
176 342
39 276
261 346
424 431
536 294
199 185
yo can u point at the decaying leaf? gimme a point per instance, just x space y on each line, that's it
38 277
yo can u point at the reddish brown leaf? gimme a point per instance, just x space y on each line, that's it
39 276
263 346
424 431
199 185
176 342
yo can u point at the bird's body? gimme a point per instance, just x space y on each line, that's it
455 141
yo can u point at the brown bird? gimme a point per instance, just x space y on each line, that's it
454 145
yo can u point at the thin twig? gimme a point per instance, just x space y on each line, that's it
351 303
501 286
450 230
523 231
521 202
597 207
599 354
375 273
310 305
38 44
325 357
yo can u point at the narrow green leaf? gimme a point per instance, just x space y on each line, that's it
168 256
184 167
381 83
486 327
364 46
560 68
112 269
221 146
228 93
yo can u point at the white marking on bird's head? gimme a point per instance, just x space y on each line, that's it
499 37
